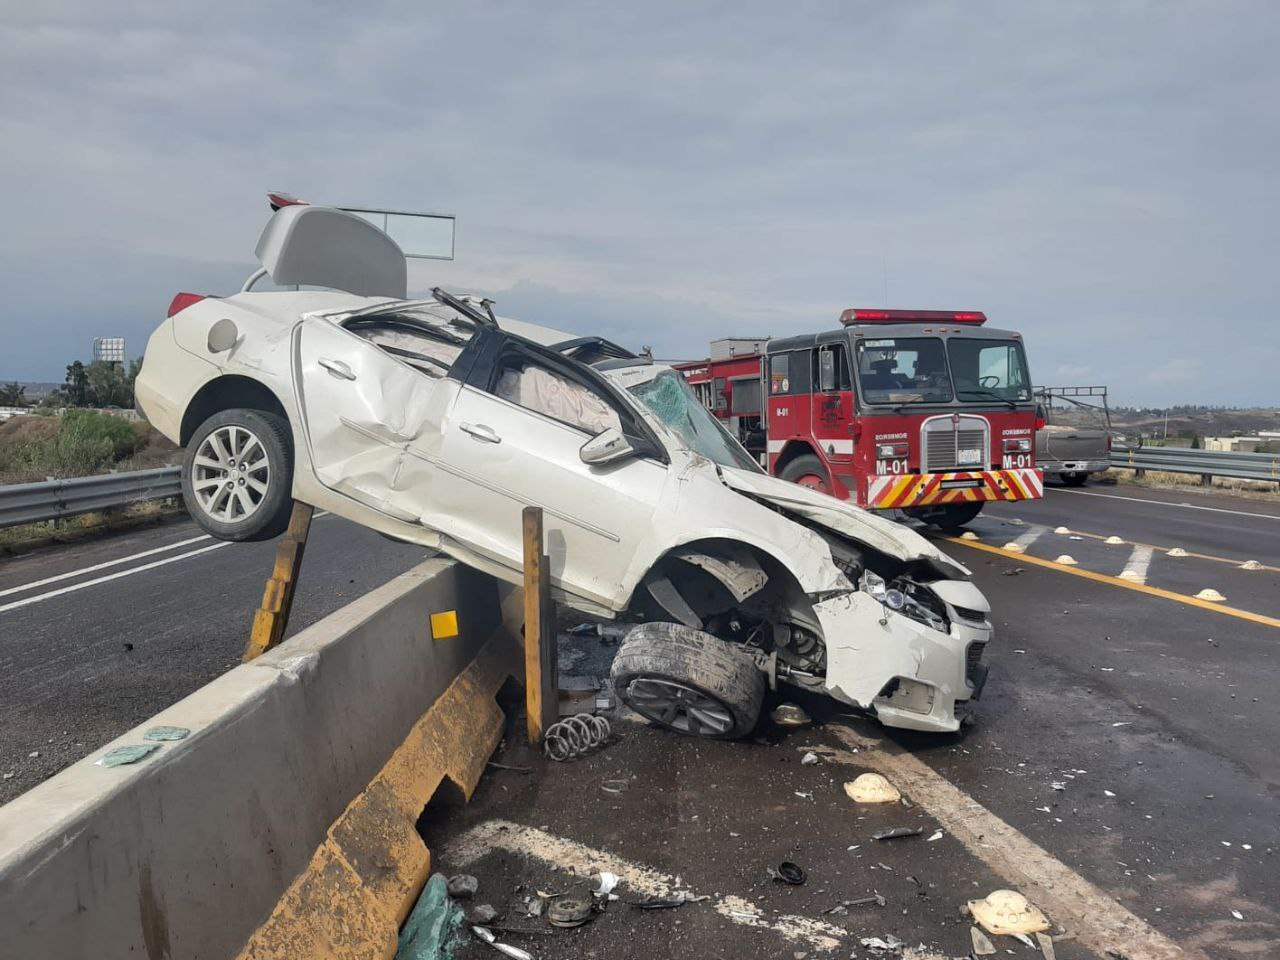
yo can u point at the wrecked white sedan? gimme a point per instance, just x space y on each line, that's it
434 422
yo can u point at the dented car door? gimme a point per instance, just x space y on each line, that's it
372 421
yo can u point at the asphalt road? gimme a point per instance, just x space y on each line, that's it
83 658
1153 713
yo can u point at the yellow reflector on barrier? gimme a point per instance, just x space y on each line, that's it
444 625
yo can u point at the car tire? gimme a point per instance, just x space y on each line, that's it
1074 479
235 497
808 471
688 681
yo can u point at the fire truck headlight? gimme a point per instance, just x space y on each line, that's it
891 451
1017 446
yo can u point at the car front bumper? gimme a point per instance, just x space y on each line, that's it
909 675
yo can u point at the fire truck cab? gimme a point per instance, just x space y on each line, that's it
929 412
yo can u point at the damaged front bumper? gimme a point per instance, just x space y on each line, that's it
909 675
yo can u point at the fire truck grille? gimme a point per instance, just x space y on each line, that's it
942 448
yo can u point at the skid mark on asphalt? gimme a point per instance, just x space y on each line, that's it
1098 921
558 852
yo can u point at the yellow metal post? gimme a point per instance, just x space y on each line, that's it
277 599
541 685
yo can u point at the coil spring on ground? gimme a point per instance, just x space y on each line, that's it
574 736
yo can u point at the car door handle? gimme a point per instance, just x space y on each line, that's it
338 368
481 432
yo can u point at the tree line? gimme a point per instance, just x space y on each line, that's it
97 384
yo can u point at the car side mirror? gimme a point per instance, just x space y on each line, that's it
607 447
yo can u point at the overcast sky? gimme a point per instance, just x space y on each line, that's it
1102 177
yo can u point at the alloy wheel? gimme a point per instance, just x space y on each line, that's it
230 474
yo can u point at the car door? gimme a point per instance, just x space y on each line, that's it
373 411
513 439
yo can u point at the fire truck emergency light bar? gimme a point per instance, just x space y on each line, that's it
856 315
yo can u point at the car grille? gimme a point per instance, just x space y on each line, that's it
973 616
943 443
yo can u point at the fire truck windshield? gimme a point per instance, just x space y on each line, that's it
670 399
905 370
994 369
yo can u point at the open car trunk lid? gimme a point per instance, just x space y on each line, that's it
844 518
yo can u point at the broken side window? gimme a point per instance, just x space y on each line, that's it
430 341
528 384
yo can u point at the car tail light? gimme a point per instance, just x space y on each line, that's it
1040 421
181 301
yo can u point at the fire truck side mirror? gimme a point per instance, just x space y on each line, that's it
826 370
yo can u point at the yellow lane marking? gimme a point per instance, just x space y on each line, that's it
1155 546
1097 920
1117 582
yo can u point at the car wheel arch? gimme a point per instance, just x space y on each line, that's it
781 572
227 392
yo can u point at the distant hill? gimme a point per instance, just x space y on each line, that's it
1201 421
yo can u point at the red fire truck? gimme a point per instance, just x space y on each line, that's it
925 411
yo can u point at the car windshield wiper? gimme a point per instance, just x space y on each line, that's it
992 394
464 308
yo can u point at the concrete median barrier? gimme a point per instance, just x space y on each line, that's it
284 824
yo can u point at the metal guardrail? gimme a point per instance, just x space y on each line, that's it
1206 463
55 499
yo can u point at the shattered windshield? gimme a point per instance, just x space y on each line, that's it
669 398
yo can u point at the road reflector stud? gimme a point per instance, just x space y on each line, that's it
1006 912
444 625
1062 530
1177 552
969 535
1115 540
1067 560
1251 565
1133 575
1015 548
1210 594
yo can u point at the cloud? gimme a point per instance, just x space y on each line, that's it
1096 176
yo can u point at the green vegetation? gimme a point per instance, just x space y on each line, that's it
79 443
13 395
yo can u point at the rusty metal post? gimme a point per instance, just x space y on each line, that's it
541 684
277 599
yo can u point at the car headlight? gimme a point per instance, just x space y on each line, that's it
907 598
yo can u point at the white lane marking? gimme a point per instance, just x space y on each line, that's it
22 588
1169 503
1139 562
1098 921
1034 533
25 601
560 853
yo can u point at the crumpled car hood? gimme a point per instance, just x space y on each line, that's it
861 525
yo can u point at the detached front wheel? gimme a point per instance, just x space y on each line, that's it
688 681
237 478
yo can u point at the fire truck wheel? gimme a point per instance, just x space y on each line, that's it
688 681
952 516
808 471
